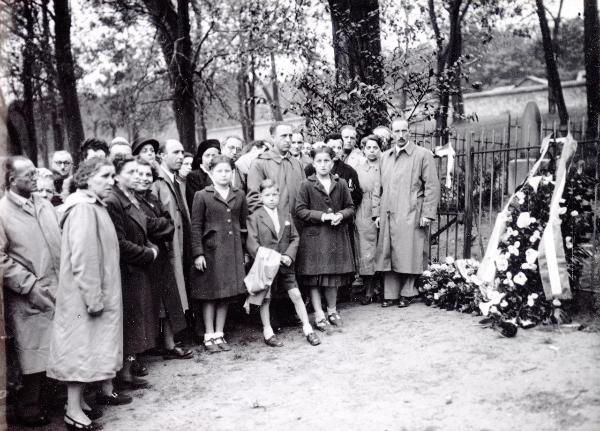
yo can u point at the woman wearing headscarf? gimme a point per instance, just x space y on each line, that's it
87 336
162 278
200 175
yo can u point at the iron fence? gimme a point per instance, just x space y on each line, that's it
488 166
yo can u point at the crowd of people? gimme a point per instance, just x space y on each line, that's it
143 241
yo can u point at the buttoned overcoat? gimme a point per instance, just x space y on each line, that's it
162 276
218 234
410 189
139 315
324 249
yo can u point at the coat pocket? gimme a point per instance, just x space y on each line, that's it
209 239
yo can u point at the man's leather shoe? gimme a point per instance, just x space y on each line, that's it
388 303
404 302
133 384
274 342
114 399
138 369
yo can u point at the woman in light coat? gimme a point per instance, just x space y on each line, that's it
87 337
365 228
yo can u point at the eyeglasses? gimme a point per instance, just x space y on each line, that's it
65 162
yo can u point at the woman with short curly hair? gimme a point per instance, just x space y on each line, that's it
87 337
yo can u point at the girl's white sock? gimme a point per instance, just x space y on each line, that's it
218 335
330 311
208 336
268 332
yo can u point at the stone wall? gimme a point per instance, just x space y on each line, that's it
497 102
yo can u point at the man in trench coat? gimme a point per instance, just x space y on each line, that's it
403 208
30 263
171 195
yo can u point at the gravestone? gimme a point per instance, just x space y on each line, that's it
531 121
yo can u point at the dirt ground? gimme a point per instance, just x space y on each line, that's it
417 368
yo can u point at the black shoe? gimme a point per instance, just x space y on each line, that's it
366 300
274 341
178 353
403 302
91 413
132 385
33 421
138 369
114 399
313 339
388 303
73 425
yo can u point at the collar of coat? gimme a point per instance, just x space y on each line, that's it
78 197
409 148
317 184
131 210
21 202
276 157
230 196
262 214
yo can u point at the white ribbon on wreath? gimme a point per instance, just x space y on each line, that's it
551 260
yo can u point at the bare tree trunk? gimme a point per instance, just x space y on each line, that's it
57 128
591 48
27 72
357 40
184 83
556 50
174 35
448 67
43 114
67 83
273 96
551 68
454 54
357 47
245 103
201 119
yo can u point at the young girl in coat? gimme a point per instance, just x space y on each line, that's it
325 260
271 229
218 224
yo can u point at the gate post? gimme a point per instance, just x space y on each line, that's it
468 207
